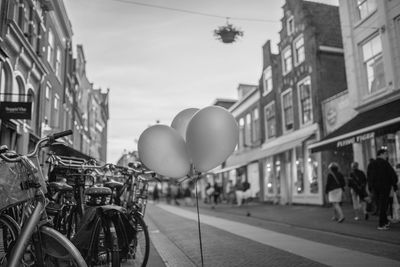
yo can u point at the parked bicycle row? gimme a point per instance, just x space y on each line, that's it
69 211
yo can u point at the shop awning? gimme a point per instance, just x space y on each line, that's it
273 147
381 120
229 168
62 149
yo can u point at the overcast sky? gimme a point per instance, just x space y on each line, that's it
157 61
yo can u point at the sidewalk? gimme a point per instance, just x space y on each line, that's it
306 216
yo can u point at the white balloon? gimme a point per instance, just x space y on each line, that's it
163 150
211 136
181 120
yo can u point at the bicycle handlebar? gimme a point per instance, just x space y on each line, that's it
49 139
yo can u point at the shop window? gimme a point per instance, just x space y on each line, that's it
312 173
270 120
287 60
268 177
277 175
365 7
287 106
267 80
305 98
299 179
373 64
299 54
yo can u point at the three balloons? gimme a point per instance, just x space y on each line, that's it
211 135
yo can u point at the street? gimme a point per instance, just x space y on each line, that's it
230 238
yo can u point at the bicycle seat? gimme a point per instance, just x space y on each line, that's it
98 191
60 186
113 184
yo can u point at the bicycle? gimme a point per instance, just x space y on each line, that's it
132 195
91 224
28 238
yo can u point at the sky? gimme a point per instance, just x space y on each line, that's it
158 61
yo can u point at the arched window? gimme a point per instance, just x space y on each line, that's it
31 98
5 81
18 90
2 83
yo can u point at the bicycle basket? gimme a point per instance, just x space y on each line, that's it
18 182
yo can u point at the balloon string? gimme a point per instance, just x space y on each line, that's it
198 222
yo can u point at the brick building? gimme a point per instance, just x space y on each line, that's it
370 111
38 73
283 116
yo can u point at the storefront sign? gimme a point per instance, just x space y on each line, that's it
16 110
355 139
336 112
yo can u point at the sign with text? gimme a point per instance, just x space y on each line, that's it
16 110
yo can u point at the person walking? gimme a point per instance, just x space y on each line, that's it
334 188
358 189
156 195
384 179
239 192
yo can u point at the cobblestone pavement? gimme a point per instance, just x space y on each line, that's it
271 235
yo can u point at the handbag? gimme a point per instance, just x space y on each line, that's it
396 209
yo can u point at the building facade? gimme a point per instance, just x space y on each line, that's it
22 70
38 74
281 118
371 39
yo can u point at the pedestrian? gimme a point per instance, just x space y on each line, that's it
230 192
156 195
209 193
384 179
239 192
358 189
246 191
335 188
217 193
187 195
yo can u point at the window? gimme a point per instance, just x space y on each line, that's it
50 47
365 7
290 25
287 110
47 105
58 63
270 122
241 133
299 182
27 20
267 80
2 83
287 60
247 134
268 177
56 109
31 98
256 125
299 54
305 98
373 64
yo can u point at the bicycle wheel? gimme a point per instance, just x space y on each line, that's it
139 248
9 231
105 245
58 250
